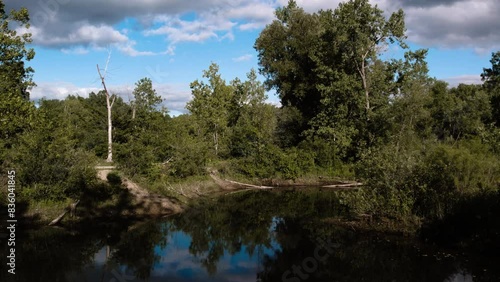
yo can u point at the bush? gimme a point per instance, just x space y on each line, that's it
427 181
114 179
54 172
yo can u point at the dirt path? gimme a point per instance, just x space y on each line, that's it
144 201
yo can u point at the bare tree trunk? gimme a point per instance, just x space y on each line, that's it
362 73
365 86
216 141
110 129
109 105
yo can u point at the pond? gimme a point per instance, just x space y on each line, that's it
247 236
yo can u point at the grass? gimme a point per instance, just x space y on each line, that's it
45 211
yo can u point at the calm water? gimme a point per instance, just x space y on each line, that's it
251 236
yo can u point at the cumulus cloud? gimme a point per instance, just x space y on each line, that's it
69 23
85 34
59 90
439 23
455 24
177 30
175 96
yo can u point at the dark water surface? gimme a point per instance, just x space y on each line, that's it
247 236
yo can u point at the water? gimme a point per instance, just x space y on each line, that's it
254 236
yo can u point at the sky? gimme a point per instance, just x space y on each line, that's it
173 41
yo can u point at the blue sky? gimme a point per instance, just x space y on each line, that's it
173 41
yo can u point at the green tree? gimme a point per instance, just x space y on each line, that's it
16 112
49 165
363 33
210 105
285 50
145 97
458 112
491 78
327 65
254 121
15 77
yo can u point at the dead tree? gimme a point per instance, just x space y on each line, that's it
109 105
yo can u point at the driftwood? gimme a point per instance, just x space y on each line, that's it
344 185
71 208
248 185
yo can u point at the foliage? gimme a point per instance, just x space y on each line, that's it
210 105
491 78
50 167
145 97
16 112
420 146
15 77
326 66
428 180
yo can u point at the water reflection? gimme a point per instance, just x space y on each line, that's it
254 236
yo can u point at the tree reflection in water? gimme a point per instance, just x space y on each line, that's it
250 236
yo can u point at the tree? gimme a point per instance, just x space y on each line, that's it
285 50
15 77
458 112
327 65
109 106
210 104
16 112
253 121
409 116
145 96
491 78
363 33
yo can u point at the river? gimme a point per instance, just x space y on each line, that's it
248 236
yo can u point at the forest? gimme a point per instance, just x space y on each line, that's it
425 151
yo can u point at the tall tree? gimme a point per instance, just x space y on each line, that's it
364 32
327 65
109 106
253 121
145 97
210 104
16 112
286 50
15 77
491 78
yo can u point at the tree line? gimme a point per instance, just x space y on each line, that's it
420 145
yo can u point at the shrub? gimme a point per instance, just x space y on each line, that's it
114 179
427 181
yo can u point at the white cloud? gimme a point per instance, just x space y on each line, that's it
177 30
243 58
250 26
59 90
86 34
175 96
431 23
465 79
129 49
467 24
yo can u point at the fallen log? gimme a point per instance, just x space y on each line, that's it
57 219
249 185
71 208
344 185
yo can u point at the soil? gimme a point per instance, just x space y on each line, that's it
144 201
